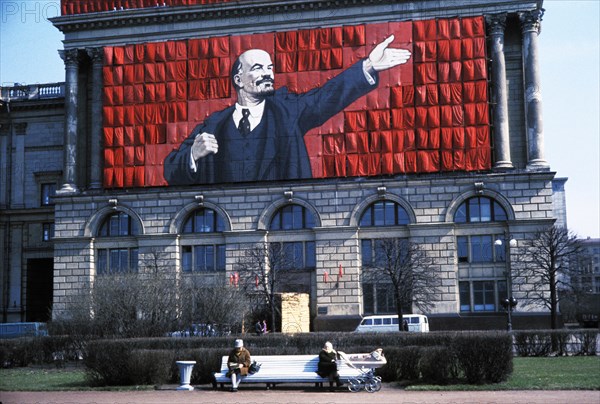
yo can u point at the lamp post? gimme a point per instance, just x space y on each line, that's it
509 303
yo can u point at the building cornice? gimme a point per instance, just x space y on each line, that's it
169 23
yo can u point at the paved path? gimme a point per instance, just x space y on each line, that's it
302 394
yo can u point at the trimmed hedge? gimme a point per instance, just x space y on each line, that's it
555 342
480 357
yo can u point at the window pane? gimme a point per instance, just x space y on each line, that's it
124 260
309 219
474 213
402 215
481 248
502 290
133 259
48 231
198 221
114 225
102 262
123 224
199 258
220 258
478 296
297 213
187 227
368 301
113 265
48 192
310 255
499 213
379 214
490 302
220 223
461 214
366 252
209 220
465 296
186 258
500 252
389 213
483 296
210 258
462 243
276 222
379 253
287 219
485 209
366 219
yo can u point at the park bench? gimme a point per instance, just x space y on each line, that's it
286 369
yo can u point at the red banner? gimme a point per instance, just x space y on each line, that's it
429 115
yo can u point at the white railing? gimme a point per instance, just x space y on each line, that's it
32 92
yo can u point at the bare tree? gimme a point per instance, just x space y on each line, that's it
406 267
266 270
209 301
544 267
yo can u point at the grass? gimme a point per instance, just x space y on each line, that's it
46 378
559 373
556 373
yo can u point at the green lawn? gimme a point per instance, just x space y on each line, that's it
558 373
562 373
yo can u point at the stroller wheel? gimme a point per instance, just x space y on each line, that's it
373 385
354 385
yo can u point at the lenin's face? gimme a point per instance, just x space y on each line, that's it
255 76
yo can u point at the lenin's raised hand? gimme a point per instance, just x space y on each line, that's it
383 58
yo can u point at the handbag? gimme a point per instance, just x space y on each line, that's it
254 367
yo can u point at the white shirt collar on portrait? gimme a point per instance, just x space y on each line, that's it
256 113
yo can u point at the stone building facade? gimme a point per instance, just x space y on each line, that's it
455 216
31 149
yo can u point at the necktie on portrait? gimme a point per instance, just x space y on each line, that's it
244 125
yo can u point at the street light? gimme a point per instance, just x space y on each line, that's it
509 303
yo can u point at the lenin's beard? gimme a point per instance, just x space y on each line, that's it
266 86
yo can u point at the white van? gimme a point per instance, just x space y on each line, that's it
387 323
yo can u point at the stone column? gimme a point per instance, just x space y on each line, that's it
71 59
530 25
97 57
496 24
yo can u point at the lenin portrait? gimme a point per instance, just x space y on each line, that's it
261 137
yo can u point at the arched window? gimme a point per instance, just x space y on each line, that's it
204 220
118 224
384 213
111 259
480 209
292 217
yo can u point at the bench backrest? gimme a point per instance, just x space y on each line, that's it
287 363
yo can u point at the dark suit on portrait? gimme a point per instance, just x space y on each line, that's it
275 149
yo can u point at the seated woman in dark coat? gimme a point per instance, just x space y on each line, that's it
327 367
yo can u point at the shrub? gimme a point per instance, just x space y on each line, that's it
484 357
407 362
150 366
436 364
533 343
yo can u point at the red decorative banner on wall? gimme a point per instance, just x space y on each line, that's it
429 115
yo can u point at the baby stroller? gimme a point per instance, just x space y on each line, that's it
366 364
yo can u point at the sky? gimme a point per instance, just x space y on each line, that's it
570 77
